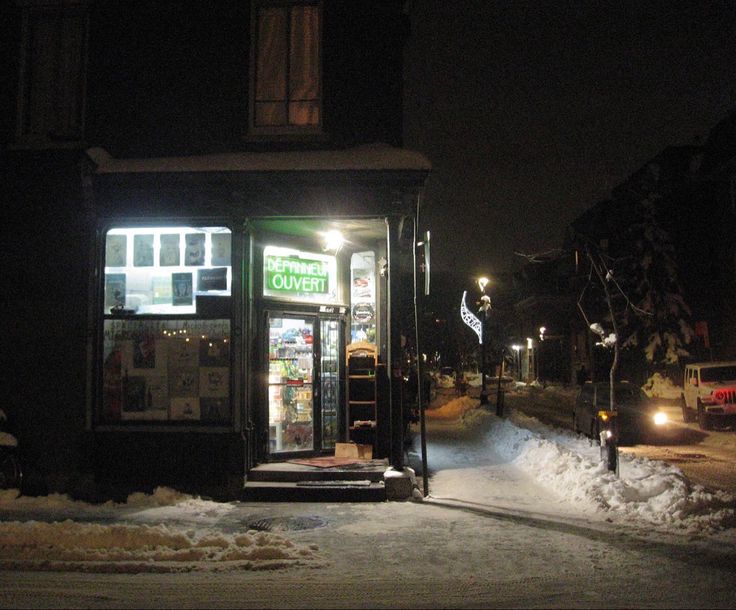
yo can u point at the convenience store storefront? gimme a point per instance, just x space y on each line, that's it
227 294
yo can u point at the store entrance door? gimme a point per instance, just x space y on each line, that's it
305 354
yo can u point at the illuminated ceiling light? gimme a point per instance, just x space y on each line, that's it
333 240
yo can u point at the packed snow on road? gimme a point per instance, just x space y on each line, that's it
515 466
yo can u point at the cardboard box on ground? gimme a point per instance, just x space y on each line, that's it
354 450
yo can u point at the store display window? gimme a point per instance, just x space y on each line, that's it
363 297
167 270
292 275
166 351
166 370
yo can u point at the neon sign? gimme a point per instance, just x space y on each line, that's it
291 274
299 276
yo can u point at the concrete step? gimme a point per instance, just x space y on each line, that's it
371 470
315 490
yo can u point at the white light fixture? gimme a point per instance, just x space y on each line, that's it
529 343
516 348
482 283
333 240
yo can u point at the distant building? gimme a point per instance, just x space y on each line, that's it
693 193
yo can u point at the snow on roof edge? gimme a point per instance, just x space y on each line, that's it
372 157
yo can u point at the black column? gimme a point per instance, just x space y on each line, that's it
396 456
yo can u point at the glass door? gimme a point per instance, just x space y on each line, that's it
329 380
290 384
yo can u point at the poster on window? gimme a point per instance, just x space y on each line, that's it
185 408
143 250
214 382
169 255
362 288
116 251
114 290
212 279
182 353
194 251
214 409
134 394
152 404
161 289
214 352
181 288
183 382
144 351
221 249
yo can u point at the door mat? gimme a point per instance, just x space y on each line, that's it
340 484
328 461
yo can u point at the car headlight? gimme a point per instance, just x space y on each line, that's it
660 418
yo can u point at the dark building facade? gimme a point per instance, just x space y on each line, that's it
689 192
209 212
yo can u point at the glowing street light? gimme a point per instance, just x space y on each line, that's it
482 283
517 358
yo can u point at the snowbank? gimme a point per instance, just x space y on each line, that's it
453 409
141 548
646 491
180 537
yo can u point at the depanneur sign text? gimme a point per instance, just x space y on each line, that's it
299 275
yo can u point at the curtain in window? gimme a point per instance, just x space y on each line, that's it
287 66
304 66
271 67
54 80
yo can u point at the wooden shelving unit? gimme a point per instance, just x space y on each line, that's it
362 413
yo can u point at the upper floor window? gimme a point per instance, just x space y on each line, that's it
286 67
52 72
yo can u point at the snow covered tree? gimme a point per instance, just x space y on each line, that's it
653 283
626 239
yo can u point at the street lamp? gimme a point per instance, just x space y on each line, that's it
530 359
485 307
517 359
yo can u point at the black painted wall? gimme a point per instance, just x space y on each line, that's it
164 78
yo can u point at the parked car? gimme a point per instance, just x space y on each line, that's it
473 379
709 393
638 416
445 377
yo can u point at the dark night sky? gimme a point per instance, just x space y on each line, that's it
531 111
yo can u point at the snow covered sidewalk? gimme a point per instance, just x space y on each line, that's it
480 464
523 464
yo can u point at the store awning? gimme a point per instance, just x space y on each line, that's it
367 158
